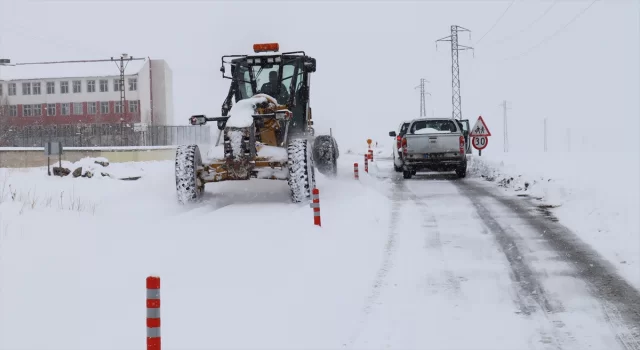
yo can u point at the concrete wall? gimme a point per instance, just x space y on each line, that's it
16 157
162 88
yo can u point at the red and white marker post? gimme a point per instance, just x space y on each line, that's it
366 163
355 171
153 313
315 204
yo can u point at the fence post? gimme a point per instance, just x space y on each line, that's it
153 313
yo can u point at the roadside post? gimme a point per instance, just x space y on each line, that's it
53 149
480 135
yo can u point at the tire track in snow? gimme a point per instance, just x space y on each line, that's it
433 241
531 296
398 197
619 300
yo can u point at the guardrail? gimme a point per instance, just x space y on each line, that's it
27 157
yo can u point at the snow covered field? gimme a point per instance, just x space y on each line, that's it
596 195
74 255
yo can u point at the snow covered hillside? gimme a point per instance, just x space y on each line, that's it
597 195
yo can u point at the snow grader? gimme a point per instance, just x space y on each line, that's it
266 134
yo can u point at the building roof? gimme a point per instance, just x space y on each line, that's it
69 70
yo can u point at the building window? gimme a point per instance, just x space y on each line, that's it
77 86
26 110
116 85
64 87
37 110
133 106
12 89
36 88
117 107
51 87
51 109
133 84
26 88
104 107
65 109
91 107
91 86
13 111
77 108
104 85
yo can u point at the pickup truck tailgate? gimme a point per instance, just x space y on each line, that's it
433 143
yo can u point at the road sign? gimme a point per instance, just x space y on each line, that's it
480 142
52 148
480 128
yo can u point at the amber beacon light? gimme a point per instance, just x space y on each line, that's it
266 47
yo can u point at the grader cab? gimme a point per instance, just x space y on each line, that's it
267 133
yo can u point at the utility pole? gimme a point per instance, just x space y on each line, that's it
456 100
423 109
505 125
122 68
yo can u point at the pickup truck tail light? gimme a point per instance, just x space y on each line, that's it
461 144
399 141
404 145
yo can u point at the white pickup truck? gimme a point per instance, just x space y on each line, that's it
435 144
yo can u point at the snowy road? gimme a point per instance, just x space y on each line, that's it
429 263
466 268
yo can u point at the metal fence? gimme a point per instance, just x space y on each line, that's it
103 135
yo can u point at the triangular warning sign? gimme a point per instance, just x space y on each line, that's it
480 128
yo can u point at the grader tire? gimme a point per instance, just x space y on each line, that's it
189 188
301 170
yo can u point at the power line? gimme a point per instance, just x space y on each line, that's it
496 22
547 39
534 22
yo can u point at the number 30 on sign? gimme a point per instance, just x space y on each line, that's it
480 142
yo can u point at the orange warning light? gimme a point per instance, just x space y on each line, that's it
266 47
369 141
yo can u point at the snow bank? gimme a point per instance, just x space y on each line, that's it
596 195
240 115
92 164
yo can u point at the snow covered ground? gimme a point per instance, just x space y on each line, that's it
596 195
245 268
396 264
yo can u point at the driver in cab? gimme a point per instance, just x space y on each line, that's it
270 88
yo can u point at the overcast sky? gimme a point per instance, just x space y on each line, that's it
372 54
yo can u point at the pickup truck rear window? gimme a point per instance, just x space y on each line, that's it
433 126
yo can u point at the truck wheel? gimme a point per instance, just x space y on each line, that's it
397 169
188 186
325 155
407 174
301 177
462 171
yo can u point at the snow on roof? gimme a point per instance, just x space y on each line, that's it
69 70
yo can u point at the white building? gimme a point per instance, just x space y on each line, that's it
70 93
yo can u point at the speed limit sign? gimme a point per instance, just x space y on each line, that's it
480 142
